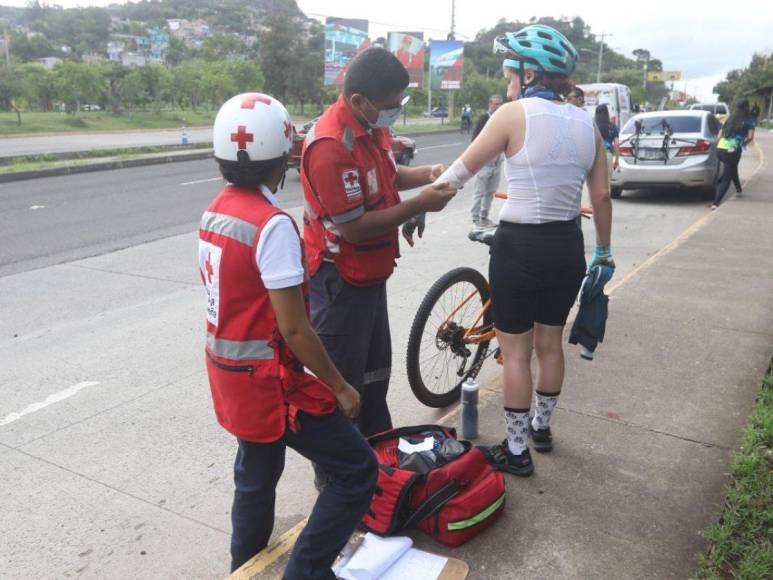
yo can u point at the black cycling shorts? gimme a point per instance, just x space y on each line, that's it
535 274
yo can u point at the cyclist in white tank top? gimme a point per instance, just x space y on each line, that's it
537 254
544 178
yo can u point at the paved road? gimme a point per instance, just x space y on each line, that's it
113 464
53 220
37 145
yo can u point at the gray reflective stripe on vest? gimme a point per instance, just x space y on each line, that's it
348 139
347 216
229 226
240 349
307 208
376 376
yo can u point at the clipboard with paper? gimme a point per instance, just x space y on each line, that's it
371 557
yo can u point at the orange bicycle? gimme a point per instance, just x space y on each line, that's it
451 334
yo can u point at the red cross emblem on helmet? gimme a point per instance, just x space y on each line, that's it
249 101
241 137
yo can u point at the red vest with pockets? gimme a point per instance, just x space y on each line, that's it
257 383
371 261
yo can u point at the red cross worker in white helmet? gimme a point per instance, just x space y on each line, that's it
258 341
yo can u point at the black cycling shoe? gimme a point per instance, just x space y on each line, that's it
542 438
501 459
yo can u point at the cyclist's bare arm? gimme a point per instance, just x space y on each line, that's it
503 133
598 189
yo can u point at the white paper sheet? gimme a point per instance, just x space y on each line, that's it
407 447
416 565
374 557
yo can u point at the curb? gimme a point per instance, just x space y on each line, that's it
103 166
109 152
108 165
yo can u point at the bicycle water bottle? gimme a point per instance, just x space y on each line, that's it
470 409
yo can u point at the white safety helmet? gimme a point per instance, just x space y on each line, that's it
252 127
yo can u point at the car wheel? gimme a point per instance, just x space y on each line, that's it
616 192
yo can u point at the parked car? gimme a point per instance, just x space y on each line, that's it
441 111
615 96
403 148
720 110
674 149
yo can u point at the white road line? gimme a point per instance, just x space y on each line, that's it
440 146
201 181
50 400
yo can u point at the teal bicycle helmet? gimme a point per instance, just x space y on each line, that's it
542 47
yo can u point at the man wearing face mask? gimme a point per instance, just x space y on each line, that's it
353 212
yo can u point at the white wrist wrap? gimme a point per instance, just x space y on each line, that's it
456 175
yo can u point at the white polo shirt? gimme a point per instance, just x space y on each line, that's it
278 255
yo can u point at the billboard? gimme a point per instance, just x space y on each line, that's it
664 75
408 47
445 64
344 38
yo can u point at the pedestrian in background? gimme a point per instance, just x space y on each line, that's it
576 97
736 133
487 179
610 134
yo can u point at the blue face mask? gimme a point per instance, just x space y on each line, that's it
388 117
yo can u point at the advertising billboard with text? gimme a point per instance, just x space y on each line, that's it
344 38
408 47
445 64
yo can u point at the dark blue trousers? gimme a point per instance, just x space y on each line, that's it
331 442
353 324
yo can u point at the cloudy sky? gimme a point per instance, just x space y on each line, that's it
703 39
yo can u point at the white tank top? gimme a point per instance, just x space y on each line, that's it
545 178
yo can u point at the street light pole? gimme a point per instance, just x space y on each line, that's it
601 55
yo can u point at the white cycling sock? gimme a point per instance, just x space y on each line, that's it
546 403
517 421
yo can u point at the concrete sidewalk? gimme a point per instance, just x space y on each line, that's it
644 434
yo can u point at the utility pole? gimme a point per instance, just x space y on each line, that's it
452 36
601 54
5 42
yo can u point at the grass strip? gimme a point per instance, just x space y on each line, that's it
741 542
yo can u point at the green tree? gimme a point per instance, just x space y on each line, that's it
131 90
76 83
38 86
222 47
278 53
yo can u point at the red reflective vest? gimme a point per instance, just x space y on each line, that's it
256 381
365 172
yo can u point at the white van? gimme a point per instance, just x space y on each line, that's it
617 97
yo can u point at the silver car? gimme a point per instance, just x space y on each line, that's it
673 149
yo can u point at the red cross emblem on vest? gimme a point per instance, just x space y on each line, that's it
249 101
210 269
351 179
241 137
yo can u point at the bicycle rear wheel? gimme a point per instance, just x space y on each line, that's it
439 357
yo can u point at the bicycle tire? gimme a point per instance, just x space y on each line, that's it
418 382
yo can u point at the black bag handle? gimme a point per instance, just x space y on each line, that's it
432 504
